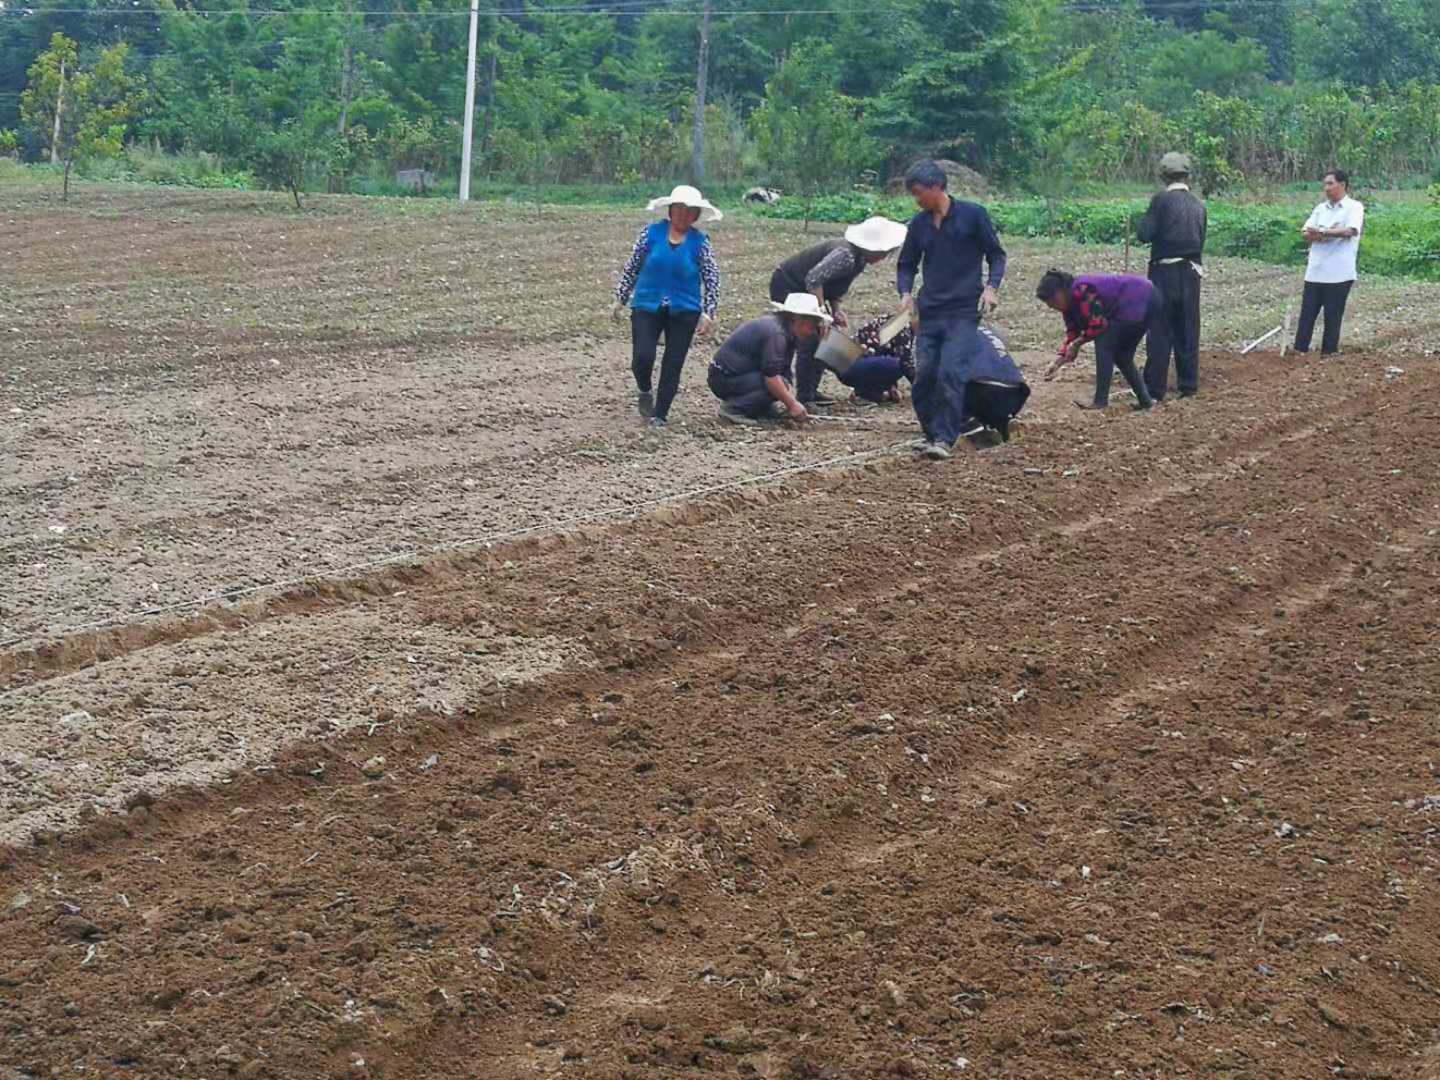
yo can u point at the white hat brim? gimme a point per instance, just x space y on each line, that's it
708 211
877 235
783 309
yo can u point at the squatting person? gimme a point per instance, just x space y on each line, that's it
827 270
672 285
949 240
1112 310
875 377
1333 233
750 373
1174 227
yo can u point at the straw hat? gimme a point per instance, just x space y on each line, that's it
802 303
686 195
876 234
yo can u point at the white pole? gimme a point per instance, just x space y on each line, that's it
1261 340
469 105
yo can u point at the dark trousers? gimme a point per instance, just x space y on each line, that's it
944 352
996 404
743 393
808 370
1116 349
646 328
871 376
1331 298
1177 330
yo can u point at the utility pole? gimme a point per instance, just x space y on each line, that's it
702 67
469 105
59 108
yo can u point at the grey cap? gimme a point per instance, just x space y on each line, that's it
1175 164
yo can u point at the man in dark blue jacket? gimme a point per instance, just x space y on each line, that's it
950 240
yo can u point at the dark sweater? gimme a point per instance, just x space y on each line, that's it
762 345
836 277
1174 226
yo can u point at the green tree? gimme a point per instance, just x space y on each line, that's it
809 136
966 59
1370 42
1204 62
83 111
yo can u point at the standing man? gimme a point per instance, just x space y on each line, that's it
950 239
1333 233
1174 227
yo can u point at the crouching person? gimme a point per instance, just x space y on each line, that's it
875 377
997 390
751 371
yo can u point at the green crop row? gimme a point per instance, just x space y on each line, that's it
1401 239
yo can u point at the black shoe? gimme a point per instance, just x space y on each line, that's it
1092 407
1143 406
645 402
1189 393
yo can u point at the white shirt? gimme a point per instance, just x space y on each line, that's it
1333 259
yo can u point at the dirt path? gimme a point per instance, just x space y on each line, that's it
1112 752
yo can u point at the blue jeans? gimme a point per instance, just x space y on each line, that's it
871 376
944 349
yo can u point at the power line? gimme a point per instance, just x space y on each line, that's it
1079 7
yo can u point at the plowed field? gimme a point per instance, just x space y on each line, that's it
382 701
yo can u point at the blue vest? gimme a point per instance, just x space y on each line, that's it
670 275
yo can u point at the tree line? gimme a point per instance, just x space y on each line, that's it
1031 92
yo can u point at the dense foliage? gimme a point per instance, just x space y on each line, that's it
1034 93
1401 239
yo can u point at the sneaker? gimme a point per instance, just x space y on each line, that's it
1143 406
937 452
1089 406
971 426
645 402
1189 393
735 416
657 422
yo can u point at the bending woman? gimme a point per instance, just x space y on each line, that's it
672 286
1114 311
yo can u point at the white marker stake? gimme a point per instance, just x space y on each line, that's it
1260 340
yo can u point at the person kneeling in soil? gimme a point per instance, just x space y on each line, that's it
997 390
875 377
750 373
1114 311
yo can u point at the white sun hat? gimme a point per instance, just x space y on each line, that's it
802 303
877 234
686 195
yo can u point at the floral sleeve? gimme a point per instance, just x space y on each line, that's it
628 276
709 279
838 264
1087 318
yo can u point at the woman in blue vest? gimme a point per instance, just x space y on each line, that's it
672 287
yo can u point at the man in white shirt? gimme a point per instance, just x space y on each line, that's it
1333 233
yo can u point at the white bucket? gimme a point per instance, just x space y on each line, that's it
838 351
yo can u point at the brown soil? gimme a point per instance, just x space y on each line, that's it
1112 752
